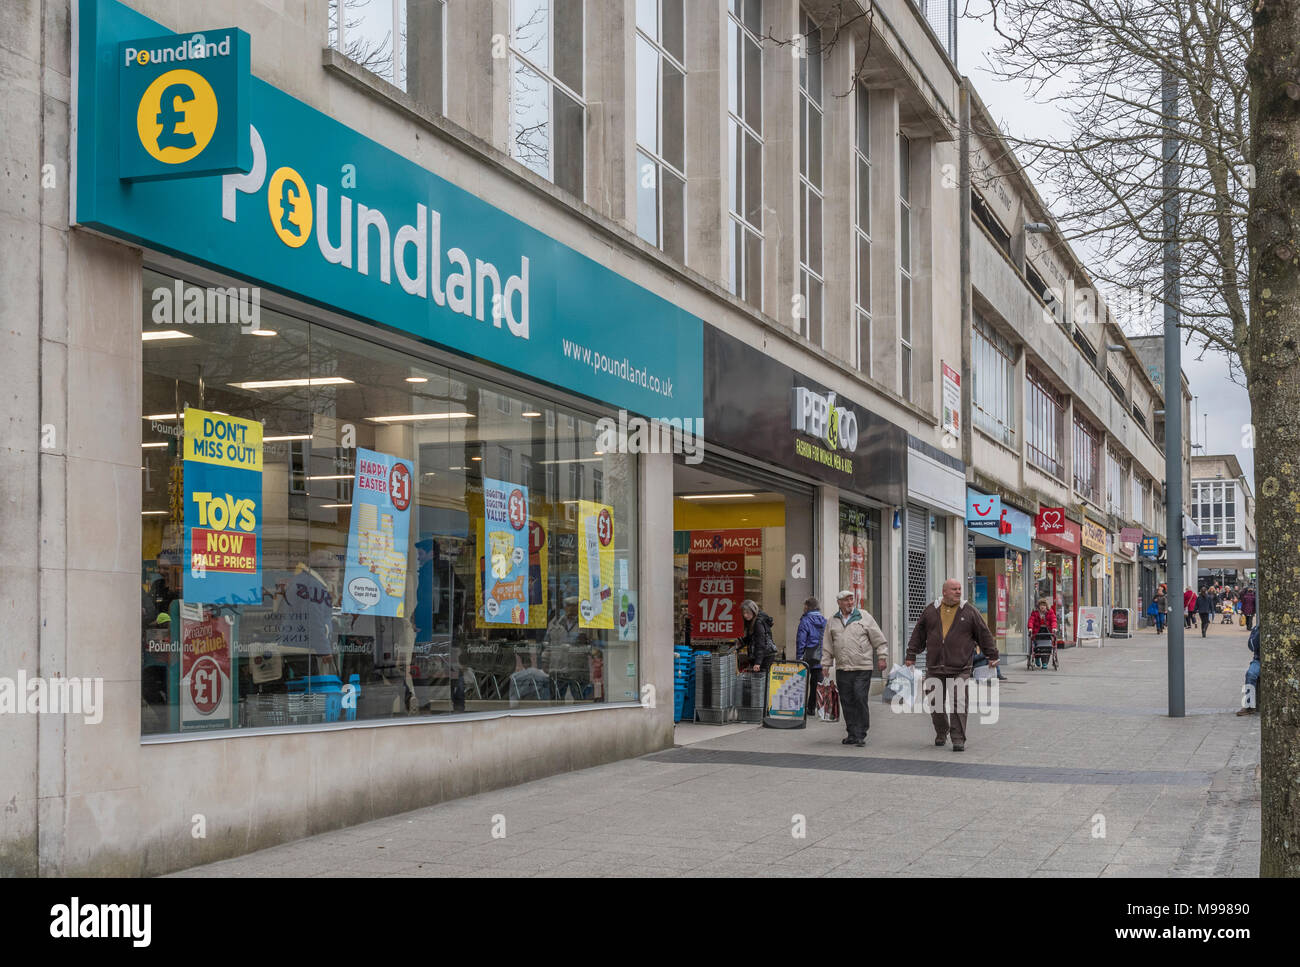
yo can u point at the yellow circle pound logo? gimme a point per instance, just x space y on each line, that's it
177 116
289 204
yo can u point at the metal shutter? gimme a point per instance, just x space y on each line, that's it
916 564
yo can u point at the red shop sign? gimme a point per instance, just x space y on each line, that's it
1069 540
1050 520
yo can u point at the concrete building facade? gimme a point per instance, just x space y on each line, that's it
696 186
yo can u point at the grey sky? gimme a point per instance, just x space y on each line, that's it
1225 402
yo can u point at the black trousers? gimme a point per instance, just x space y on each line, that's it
1250 620
1205 622
810 701
855 693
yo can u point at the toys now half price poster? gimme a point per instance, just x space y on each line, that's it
505 565
375 579
595 565
223 508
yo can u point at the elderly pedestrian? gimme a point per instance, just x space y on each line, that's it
1248 606
855 645
949 630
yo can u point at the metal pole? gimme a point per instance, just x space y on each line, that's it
1173 387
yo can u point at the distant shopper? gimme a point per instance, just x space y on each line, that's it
949 630
1205 608
1250 700
1189 608
1161 605
808 648
757 643
1248 606
852 639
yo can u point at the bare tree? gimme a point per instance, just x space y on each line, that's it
1102 62
1274 240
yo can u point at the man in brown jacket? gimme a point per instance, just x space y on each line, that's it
949 630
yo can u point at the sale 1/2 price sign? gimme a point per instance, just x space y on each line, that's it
716 586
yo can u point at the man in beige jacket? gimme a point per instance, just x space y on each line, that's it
855 644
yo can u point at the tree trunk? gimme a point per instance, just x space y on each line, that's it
1274 384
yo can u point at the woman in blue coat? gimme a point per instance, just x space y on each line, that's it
808 648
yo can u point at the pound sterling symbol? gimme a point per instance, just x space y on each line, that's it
168 116
288 206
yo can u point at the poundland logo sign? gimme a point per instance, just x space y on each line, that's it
183 105
316 210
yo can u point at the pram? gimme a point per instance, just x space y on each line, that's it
1042 650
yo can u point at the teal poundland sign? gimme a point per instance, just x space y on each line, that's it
325 214
183 105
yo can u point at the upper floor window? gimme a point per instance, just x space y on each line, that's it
984 216
905 263
1087 460
547 112
661 125
745 149
1044 425
862 227
1115 489
810 178
993 383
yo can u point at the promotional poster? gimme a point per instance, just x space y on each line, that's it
506 546
223 508
595 565
374 581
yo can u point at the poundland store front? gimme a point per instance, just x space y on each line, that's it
365 499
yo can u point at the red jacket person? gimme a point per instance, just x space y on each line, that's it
949 630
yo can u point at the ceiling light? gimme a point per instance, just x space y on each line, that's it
574 460
712 496
417 417
292 436
150 513
152 446
417 379
160 334
334 476
326 506
161 416
284 383
476 458
530 414
262 332
458 468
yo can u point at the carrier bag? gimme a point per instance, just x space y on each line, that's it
828 702
903 687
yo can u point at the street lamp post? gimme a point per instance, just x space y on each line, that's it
1173 387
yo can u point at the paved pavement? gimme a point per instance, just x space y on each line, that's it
1082 774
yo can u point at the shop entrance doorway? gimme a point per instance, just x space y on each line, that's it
737 522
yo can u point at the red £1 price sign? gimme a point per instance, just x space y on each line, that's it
399 486
605 527
517 509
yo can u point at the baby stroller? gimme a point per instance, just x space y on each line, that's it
1042 650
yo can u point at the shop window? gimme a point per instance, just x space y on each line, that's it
860 549
362 609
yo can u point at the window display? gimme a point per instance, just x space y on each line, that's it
415 549
860 555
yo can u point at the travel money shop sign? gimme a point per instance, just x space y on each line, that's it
333 218
223 508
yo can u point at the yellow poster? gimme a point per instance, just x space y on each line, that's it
595 565
538 572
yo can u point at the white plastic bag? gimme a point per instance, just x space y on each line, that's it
903 687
